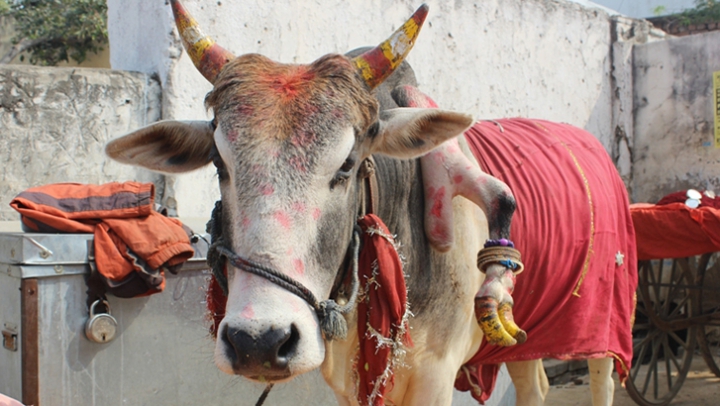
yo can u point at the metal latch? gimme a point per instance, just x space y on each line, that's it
10 335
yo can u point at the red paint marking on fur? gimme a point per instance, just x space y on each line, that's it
482 180
290 83
245 222
232 135
299 207
439 232
283 218
316 212
248 312
437 207
298 163
299 266
457 179
267 190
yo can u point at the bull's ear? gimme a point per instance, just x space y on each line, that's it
410 132
165 146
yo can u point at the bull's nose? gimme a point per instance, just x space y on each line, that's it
261 353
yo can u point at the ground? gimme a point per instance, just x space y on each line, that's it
701 388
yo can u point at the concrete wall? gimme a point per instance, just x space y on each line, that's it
54 123
496 58
674 146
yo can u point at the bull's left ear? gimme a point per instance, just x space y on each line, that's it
412 132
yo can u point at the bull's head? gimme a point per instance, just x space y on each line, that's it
287 141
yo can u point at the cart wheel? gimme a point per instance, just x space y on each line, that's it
663 345
708 302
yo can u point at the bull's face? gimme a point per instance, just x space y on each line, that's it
287 141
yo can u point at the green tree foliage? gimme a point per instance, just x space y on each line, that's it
51 31
705 11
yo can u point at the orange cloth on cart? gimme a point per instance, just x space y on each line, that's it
122 219
575 299
675 230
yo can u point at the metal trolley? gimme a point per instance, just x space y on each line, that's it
678 300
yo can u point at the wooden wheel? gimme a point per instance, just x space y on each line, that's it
708 303
663 339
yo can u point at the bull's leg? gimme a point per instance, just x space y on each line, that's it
531 383
602 386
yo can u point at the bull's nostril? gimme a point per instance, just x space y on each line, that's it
287 349
261 352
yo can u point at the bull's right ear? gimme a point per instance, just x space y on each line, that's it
165 146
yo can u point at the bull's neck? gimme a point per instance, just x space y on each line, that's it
401 207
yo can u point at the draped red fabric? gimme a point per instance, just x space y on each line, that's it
575 299
382 323
675 230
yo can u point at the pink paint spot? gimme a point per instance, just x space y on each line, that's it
457 179
298 163
245 222
290 83
298 207
266 190
482 180
440 233
232 135
299 266
283 218
452 147
303 138
289 251
438 201
316 213
247 312
245 110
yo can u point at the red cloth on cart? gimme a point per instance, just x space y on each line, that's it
574 300
675 230
124 224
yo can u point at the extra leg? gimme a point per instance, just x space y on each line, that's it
602 386
531 383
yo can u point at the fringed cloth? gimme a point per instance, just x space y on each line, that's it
382 312
573 226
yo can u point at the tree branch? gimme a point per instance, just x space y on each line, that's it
21 47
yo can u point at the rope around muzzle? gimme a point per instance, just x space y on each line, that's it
330 314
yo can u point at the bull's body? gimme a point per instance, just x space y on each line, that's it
288 142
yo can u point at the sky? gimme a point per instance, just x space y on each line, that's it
642 8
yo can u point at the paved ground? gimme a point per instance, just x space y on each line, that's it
701 388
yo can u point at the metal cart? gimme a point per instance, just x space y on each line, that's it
678 299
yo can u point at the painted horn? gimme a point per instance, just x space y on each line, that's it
208 57
378 63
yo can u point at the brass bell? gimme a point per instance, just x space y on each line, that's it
102 327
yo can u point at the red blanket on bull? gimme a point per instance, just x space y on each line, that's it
573 227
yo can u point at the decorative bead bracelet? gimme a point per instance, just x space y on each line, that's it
500 252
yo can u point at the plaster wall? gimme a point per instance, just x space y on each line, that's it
529 58
55 123
674 147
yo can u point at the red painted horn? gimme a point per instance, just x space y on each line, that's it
208 57
378 63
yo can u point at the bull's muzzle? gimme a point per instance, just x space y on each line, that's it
261 354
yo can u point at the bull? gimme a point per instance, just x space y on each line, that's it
303 151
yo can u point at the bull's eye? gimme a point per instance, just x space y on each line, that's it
343 174
219 164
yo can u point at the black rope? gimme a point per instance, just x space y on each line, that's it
264 395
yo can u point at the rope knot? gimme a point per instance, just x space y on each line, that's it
332 323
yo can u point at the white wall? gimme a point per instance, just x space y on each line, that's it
494 58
